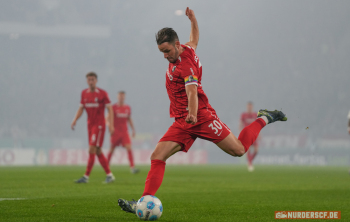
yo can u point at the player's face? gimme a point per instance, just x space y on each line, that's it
121 97
249 107
91 81
170 51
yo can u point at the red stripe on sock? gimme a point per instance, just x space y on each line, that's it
154 177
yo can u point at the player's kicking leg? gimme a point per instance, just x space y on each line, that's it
239 146
131 158
155 176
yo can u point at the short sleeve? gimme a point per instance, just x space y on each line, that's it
106 99
189 71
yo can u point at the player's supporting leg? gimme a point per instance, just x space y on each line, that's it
155 176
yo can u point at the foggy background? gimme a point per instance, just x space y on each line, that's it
289 55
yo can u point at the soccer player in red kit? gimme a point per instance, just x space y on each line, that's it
194 116
122 116
94 100
246 119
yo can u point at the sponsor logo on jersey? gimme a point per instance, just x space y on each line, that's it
173 69
96 99
122 115
91 105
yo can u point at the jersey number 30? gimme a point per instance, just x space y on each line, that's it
215 125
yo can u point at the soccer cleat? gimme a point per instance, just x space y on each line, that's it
109 179
127 206
134 171
82 180
272 116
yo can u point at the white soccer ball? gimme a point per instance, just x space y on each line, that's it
149 208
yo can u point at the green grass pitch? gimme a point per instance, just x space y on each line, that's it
188 193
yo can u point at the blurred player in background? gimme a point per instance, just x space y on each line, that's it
246 119
94 100
122 116
189 105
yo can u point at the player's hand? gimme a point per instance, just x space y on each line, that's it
191 119
73 124
133 134
111 129
190 13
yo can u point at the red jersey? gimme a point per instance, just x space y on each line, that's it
187 70
121 116
94 104
248 118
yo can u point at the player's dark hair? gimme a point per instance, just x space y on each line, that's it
121 92
250 102
166 35
89 74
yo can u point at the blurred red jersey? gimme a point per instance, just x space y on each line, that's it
94 104
121 116
248 118
187 70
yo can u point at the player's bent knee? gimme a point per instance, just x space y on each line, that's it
240 152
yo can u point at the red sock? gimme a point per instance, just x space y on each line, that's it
109 156
131 158
90 164
250 133
249 158
104 163
252 156
154 177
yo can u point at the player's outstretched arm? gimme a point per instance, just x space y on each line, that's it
192 95
77 116
111 119
194 36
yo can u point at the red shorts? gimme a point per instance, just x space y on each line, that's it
96 135
208 127
120 139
